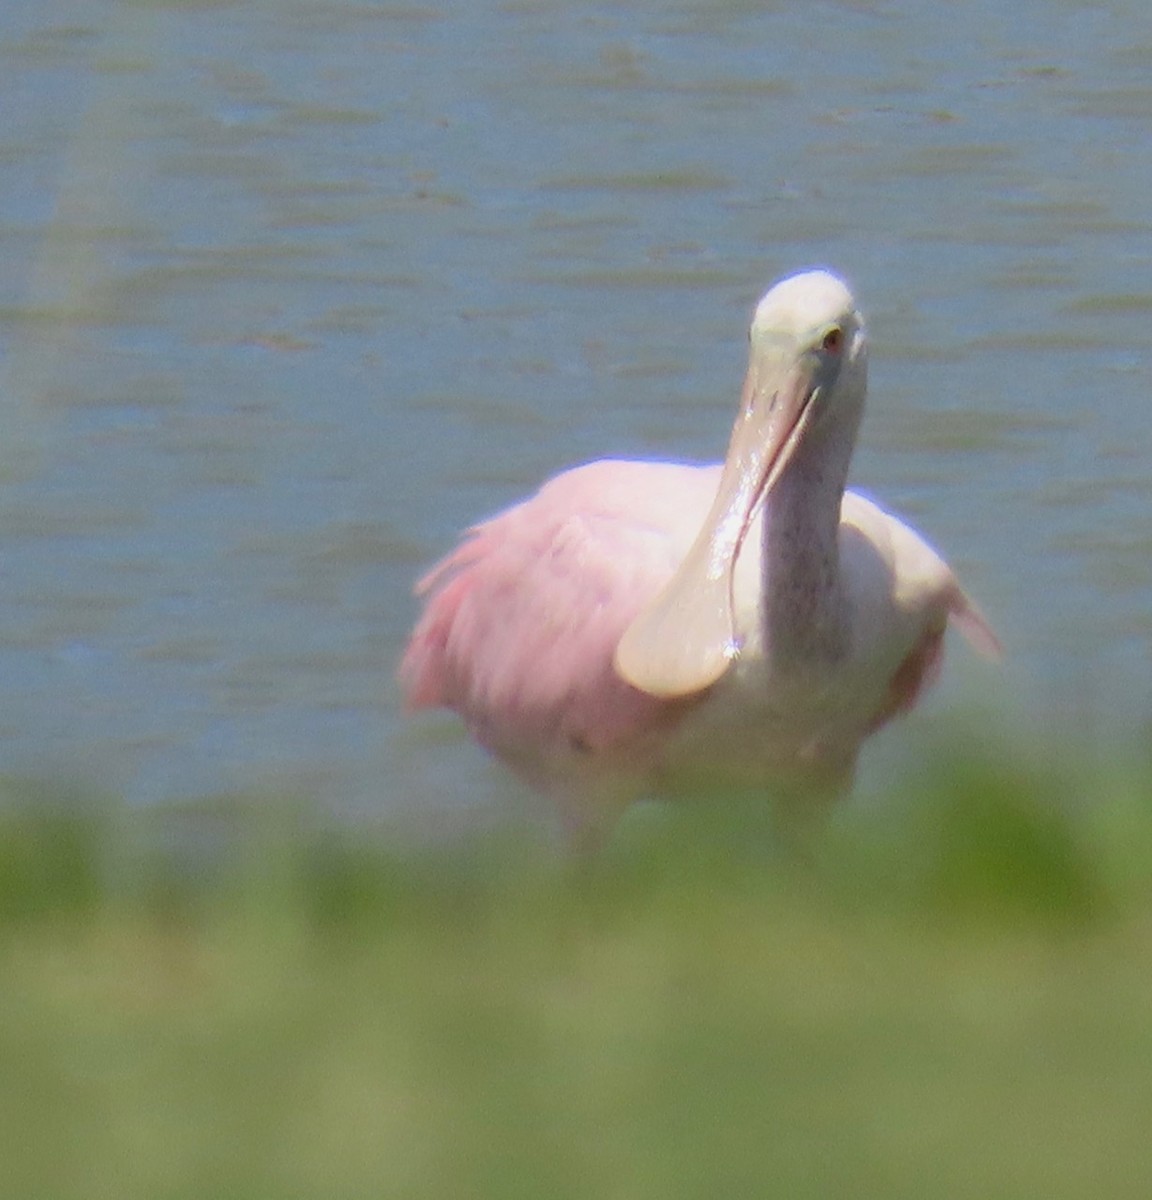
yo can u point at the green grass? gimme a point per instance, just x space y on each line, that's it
953 999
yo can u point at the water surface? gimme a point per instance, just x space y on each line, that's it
290 292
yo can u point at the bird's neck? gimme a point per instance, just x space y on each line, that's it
804 609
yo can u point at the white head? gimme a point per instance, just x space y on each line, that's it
806 331
803 397
803 302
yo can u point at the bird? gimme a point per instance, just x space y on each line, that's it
644 629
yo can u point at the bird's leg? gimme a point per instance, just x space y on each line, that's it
589 811
801 809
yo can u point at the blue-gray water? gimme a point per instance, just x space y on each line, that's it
289 292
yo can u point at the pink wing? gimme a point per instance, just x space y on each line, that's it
921 667
522 619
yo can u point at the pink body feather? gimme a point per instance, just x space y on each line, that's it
522 619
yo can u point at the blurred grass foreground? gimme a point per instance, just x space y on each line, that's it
236 1000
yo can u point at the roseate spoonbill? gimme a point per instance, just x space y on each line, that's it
644 628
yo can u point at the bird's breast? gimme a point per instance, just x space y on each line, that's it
756 726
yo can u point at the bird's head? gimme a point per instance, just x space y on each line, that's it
807 364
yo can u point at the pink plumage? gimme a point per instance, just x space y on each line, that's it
523 617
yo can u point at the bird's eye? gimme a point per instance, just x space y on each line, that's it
833 341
